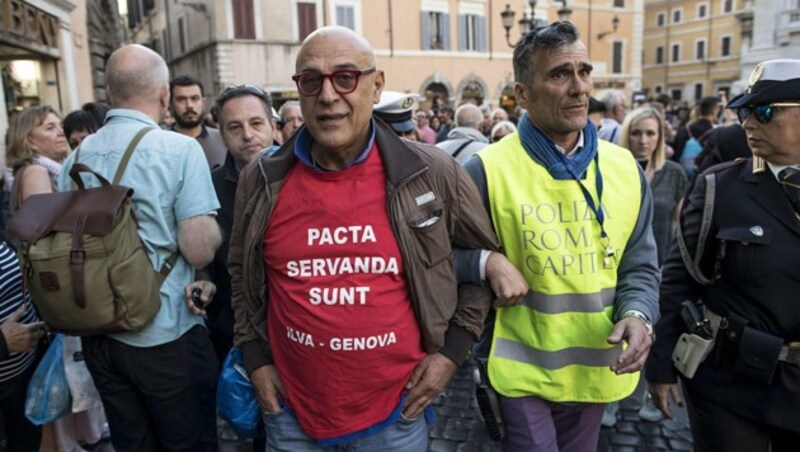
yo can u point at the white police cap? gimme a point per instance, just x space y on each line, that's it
771 81
394 109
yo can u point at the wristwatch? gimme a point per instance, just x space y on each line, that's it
647 324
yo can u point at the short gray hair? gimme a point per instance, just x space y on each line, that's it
547 37
469 115
612 99
287 104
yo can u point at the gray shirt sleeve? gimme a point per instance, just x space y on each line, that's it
638 276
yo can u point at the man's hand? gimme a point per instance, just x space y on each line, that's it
21 337
634 332
507 283
267 385
207 291
661 392
427 381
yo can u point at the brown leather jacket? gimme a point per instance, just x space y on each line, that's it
450 316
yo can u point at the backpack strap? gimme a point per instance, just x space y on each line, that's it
166 268
461 148
128 153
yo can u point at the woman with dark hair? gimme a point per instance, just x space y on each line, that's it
20 332
81 123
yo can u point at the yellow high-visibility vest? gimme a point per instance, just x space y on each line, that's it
554 345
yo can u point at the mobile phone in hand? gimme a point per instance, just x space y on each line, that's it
196 292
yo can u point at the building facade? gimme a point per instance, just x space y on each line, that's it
450 50
692 48
770 31
53 52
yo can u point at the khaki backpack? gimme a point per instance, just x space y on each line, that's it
82 258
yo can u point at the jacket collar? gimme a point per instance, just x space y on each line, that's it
401 159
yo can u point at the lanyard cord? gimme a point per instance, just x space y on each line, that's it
598 208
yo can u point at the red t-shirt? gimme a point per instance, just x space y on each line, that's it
340 318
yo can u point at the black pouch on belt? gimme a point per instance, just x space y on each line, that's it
758 355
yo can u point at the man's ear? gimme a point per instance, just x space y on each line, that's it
380 83
521 93
164 97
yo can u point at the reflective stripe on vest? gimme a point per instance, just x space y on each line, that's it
554 345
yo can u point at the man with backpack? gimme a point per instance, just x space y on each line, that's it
466 138
692 135
157 384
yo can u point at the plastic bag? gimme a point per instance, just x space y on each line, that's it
48 397
81 385
236 399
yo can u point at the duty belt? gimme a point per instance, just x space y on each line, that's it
790 353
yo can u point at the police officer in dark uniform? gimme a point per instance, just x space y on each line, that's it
740 232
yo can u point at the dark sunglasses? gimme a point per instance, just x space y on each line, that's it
763 112
344 81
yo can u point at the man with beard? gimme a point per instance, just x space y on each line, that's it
187 105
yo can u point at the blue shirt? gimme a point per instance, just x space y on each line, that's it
302 147
171 182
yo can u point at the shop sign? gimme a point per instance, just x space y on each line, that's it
30 23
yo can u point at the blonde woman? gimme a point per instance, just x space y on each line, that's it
643 134
36 147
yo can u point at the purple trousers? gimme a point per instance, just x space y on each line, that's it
533 424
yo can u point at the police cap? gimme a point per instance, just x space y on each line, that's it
771 81
394 109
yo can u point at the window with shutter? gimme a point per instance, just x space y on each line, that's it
181 35
469 32
346 16
616 63
244 26
306 19
727 6
726 46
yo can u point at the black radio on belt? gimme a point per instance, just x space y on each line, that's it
695 322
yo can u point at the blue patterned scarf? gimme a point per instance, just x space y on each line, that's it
544 150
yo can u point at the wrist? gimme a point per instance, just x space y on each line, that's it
648 325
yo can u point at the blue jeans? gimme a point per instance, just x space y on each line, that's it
284 434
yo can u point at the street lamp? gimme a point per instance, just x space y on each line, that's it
526 24
565 12
614 25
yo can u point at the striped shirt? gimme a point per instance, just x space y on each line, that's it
10 301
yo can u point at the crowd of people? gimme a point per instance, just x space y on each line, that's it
355 246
